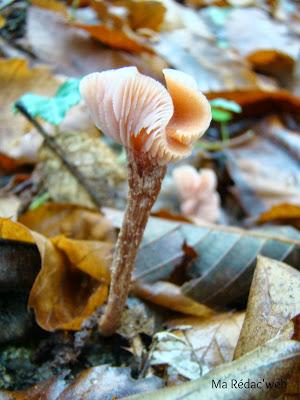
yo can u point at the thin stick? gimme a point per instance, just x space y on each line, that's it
144 178
58 151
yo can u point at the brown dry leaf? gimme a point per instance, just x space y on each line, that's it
124 39
273 363
73 280
282 213
47 390
258 187
213 339
53 5
53 219
274 300
96 161
71 50
97 383
72 283
16 78
136 12
214 68
106 383
168 295
268 34
14 231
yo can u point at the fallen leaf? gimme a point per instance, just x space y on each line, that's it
72 51
288 214
73 280
193 346
136 12
53 109
17 78
96 161
177 353
215 69
106 383
72 283
9 206
222 272
274 299
268 34
258 187
53 219
52 5
168 295
47 390
124 39
269 365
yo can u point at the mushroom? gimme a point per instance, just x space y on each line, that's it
198 195
157 125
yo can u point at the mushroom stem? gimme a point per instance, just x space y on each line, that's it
144 178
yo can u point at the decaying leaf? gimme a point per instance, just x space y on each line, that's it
106 383
168 295
215 69
265 171
263 374
123 39
194 346
222 272
97 383
16 78
72 283
213 339
288 214
73 280
97 162
47 390
72 52
274 300
9 206
53 219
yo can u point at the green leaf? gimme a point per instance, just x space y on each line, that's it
227 105
221 115
53 109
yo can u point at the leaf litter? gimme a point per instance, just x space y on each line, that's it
217 302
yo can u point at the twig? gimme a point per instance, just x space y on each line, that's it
58 151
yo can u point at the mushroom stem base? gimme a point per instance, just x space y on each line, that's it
144 177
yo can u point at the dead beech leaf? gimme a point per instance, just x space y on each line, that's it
274 300
47 390
212 339
259 188
53 5
14 231
271 364
72 52
53 219
136 13
96 161
72 283
221 274
106 383
268 34
168 295
214 68
16 78
283 213
73 280
124 39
